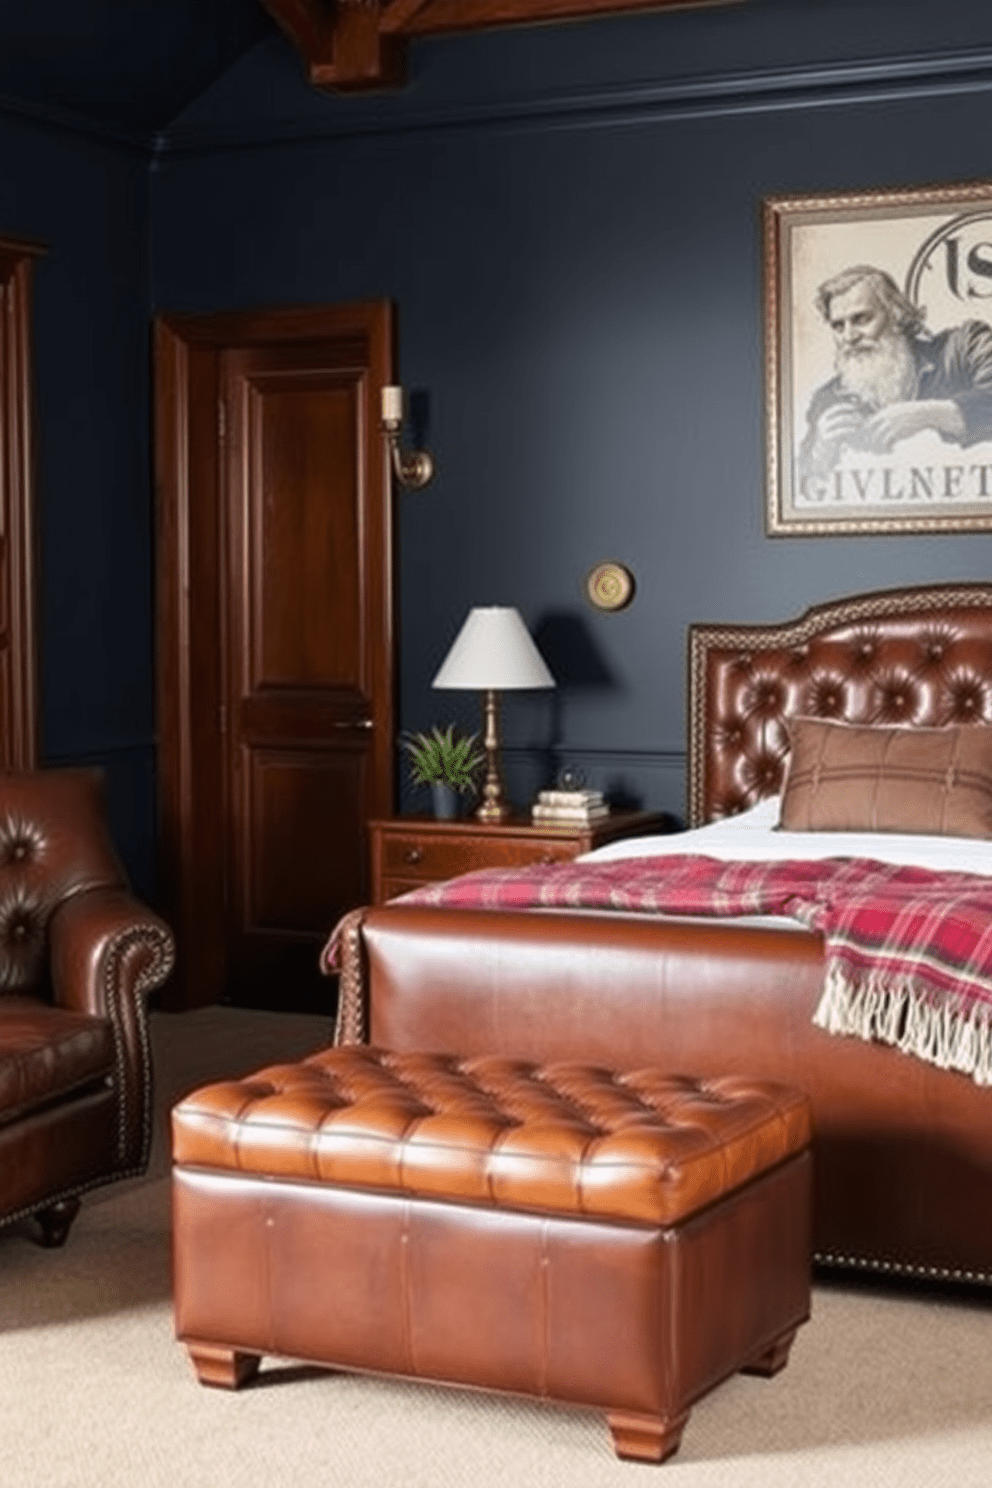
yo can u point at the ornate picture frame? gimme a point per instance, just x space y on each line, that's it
878 361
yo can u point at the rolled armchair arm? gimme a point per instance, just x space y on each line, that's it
108 953
345 953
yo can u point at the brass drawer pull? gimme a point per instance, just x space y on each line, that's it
413 855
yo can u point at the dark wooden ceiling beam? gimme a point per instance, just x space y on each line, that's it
349 44
423 17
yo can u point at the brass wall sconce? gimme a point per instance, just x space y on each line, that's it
413 468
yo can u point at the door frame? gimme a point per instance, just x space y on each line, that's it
191 604
19 726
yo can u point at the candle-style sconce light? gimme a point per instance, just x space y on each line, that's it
412 468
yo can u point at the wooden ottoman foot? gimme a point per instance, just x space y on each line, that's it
645 1438
773 1358
225 1368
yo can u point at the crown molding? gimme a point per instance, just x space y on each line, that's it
886 79
354 44
65 121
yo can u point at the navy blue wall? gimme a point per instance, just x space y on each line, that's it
85 199
568 223
567 219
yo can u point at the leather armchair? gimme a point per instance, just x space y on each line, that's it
79 957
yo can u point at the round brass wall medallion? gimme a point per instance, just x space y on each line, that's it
610 586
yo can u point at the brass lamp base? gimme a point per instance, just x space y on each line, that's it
492 811
492 807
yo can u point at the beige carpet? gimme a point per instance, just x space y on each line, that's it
882 1391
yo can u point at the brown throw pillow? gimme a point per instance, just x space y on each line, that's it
846 778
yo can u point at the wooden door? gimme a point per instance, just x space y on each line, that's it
275 640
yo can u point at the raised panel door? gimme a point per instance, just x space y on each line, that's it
296 720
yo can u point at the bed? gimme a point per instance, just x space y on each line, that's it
903 1147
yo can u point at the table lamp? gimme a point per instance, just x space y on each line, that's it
493 652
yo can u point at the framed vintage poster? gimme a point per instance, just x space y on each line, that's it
878 356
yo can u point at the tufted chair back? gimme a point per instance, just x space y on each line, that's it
918 657
53 845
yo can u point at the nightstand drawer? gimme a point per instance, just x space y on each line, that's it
409 855
408 852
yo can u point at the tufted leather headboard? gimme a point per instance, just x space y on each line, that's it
899 656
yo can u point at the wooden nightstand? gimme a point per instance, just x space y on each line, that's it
409 851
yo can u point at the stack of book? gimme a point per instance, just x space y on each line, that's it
568 808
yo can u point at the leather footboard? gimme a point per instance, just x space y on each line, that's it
903 1151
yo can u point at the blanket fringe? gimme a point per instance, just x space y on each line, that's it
952 1033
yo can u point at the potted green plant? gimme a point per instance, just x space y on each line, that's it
449 762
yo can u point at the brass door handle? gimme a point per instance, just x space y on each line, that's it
353 723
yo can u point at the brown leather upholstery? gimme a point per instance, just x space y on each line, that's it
42 1058
903 1171
621 1241
78 957
563 1139
903 656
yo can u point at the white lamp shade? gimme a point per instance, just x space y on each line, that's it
493 649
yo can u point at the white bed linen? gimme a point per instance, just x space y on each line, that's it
755 836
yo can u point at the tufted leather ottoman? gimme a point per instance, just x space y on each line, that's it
617 1241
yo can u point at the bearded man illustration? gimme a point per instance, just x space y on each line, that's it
893 376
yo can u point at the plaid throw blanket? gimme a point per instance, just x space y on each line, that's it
908 950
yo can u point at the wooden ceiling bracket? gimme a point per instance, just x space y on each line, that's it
353 44
342 42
